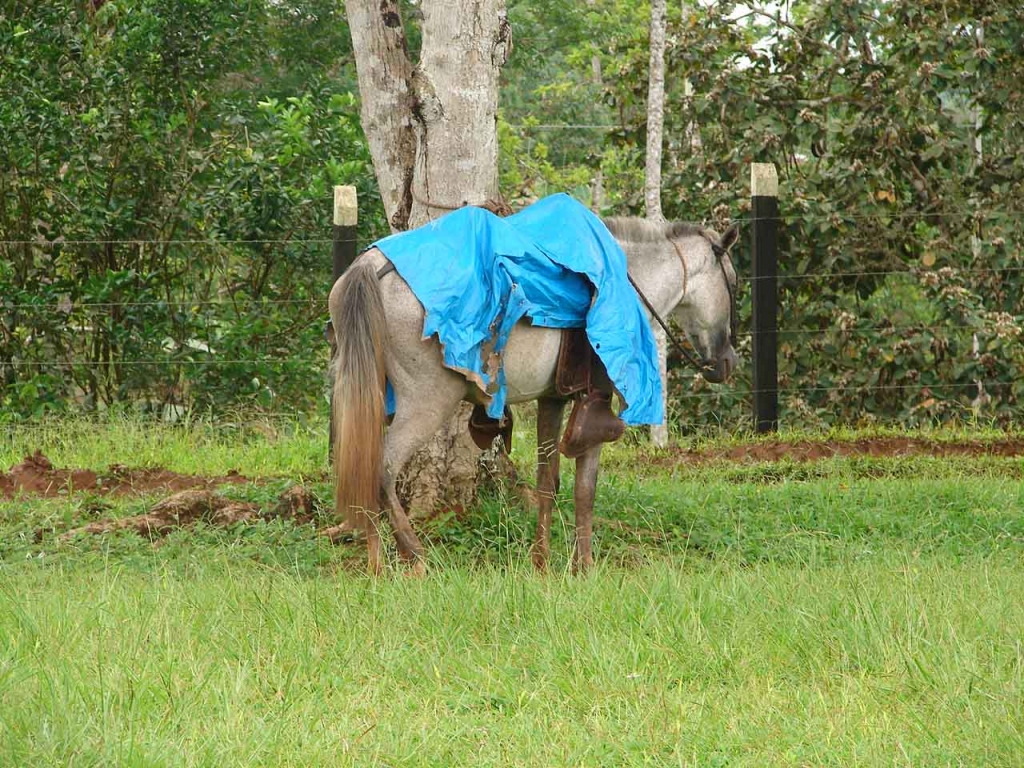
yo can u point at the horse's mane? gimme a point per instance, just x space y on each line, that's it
637 230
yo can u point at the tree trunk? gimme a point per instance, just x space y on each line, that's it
652 177
432 132
655 112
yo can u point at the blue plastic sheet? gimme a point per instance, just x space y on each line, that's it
555 263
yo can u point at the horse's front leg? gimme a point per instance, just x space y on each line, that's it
583 496
549 420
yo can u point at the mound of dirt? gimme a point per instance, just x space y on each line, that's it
177 511
37 476
191 500
878 447
187 508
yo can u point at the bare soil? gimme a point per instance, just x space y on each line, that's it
37 476
186 508
192 499
178 511
875 447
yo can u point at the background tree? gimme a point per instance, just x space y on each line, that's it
431 128
869 111
652 176
165 173
162 172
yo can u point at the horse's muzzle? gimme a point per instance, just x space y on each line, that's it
721 369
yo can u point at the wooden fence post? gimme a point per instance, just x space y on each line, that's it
344 251
764 193
346 216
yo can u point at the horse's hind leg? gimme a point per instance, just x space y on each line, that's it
371 527
549 419
418 416
583 495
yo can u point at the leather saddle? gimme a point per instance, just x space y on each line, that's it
580 375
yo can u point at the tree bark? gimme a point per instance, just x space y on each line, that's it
652 176
432 132
655 112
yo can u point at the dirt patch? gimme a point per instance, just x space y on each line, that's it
186 508
177 511
876 447
192 499
37 476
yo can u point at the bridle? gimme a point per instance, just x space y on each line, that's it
734 317
690 356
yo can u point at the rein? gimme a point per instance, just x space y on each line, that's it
719 252
687 355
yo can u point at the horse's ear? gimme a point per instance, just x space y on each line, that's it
730 237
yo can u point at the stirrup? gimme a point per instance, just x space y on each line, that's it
591 423
483 429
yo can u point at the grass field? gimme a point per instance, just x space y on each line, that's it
856 611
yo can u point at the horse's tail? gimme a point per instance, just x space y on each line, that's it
360 329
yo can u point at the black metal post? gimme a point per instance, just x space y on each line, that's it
764 190
344 251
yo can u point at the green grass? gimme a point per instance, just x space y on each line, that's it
262 446
847 612
255 449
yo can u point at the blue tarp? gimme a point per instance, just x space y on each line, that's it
554 262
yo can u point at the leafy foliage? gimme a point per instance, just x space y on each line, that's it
165 200
871 112
165 171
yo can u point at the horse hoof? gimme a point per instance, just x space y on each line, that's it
540 561
418 570
344 532
582 567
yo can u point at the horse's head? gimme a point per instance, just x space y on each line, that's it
707 312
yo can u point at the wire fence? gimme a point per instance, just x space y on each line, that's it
194 359
71 304
321 359
790 216
990 326
723 390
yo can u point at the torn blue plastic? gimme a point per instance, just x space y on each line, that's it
554 262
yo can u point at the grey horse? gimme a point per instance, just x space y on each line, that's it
683 270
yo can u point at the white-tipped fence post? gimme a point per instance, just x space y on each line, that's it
764 198
344 251
346 217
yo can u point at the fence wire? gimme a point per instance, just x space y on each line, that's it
786 218
993 326
68 306
723 391
71 304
